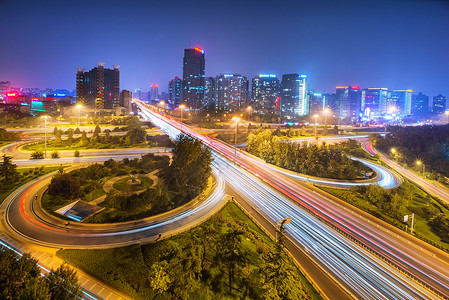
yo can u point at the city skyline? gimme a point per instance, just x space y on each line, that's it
410 59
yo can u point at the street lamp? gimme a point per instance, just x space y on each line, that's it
316 121
447 115
393 152
249 113
235 145
45 133
423 166
182 106
79 114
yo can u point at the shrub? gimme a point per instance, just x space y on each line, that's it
55 154
76 154
38 154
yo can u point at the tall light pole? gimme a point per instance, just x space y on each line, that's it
316 121
249 113
326 111
235 145
79 114
423 166
45 133
182 106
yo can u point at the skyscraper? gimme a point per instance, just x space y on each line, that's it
289 95
193 78
420 104
231 92
400 101
374 102
348 102
439 104
175 91
316 102
4 88
265 90
154 93
99 88
209 93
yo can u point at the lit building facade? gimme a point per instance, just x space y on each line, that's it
209 93
439 104
400 102
154 93
374 102
98 88
348 101
231 91
126 98
316 102
175 91
4 88
193 78
264 92
420 104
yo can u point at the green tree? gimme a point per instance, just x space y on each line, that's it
55 130
303 131
84 141
8 170
136 136
159 279
70 136
38 154
97 130
64 185
107 135
190 167
64 284
77 130
76 154
58 140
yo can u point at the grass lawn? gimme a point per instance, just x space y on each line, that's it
123 186
27 174
128 269
418 205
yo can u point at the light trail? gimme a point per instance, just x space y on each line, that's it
360 271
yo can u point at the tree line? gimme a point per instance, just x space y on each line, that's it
20 278
329 161
430 144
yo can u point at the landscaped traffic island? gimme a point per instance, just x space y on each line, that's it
130 189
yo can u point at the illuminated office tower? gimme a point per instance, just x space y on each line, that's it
439 104
400 102
209 93
154 93
374 102
98 88
193 78
289 95
347 102
316 102
126 98
231 91
175 91
420 104
265 91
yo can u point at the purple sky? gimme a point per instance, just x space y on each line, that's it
394 44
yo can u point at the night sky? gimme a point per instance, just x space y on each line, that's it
393 44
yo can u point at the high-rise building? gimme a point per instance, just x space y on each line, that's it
193 78
316 102
126 98
98 88
374 102
400 101
420 104
329 101
231 91
154 93
175 91
289 94
209 93
4 88
439 104
138 94
348 101
264 92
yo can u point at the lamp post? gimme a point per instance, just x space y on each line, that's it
79 114
447 115
236 130
45 133
182 106
326 111
423 166
249 113
316 121
393 152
